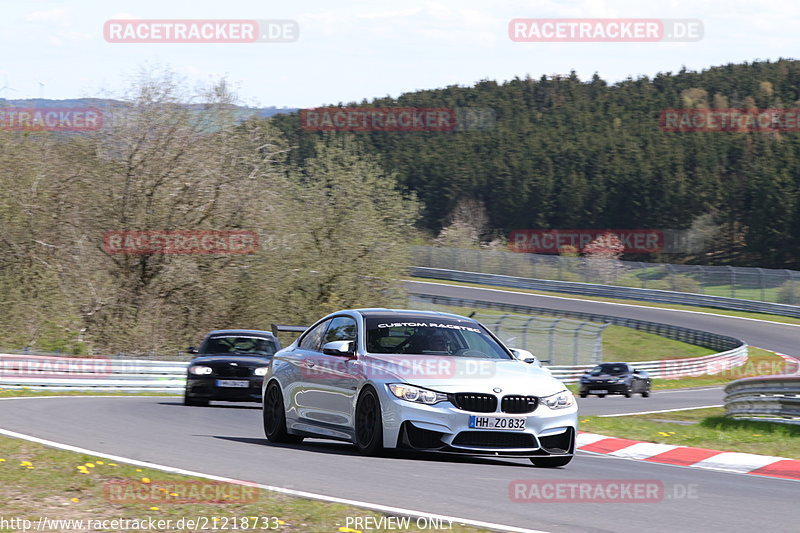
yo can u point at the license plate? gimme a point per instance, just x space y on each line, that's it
598 391
243 383
497 422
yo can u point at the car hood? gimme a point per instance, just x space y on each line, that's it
241 360
462 374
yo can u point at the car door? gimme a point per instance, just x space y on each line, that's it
331 381
292 372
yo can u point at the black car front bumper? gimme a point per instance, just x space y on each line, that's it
610 388
209 388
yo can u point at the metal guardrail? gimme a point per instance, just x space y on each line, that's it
609 291
668 368
697 337
34 372
768 398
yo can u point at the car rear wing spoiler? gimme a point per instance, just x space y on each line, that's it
278 327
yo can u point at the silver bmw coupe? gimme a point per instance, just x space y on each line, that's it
385 378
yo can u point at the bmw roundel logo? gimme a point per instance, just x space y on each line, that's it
497 389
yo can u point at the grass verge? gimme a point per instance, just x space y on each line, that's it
703 428
37 481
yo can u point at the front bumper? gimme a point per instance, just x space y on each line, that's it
611 388
207 388
443 427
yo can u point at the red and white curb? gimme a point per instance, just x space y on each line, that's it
743 463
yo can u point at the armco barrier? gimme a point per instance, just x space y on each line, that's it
608 291
713 341
90 373
772 398
732 352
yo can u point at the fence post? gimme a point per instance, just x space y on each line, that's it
525 332
733 281
575 342
761 282
551 341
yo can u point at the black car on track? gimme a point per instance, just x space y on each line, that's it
615 378
229 366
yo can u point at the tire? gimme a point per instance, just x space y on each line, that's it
583 395
368 423
645 394
551 462
601 395
274 416
194 402
627 393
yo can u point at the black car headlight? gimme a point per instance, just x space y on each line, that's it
200 370
559 400
411 393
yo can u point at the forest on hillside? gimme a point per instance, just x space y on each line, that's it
571 153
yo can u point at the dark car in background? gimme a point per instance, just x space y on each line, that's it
229 366
615 378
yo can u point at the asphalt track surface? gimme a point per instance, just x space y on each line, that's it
227 440
781 338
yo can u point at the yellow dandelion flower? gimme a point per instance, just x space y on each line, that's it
154 508
756 434
348 530
89 465
173 494
25 463
663 434
138 469
112 464
99 462
145 480
74 500
2 460
281 522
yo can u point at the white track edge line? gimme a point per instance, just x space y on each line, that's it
660 411
290 492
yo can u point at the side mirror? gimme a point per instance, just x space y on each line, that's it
192 350
340 348
637 372
526 356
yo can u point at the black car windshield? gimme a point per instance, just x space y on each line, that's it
612 369
431 336
239 345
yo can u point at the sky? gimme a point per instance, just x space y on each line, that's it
350 50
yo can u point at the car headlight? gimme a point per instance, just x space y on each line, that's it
200 370
411 393
559 400
261 371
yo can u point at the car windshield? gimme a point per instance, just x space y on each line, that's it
431 336
609 369
240 345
